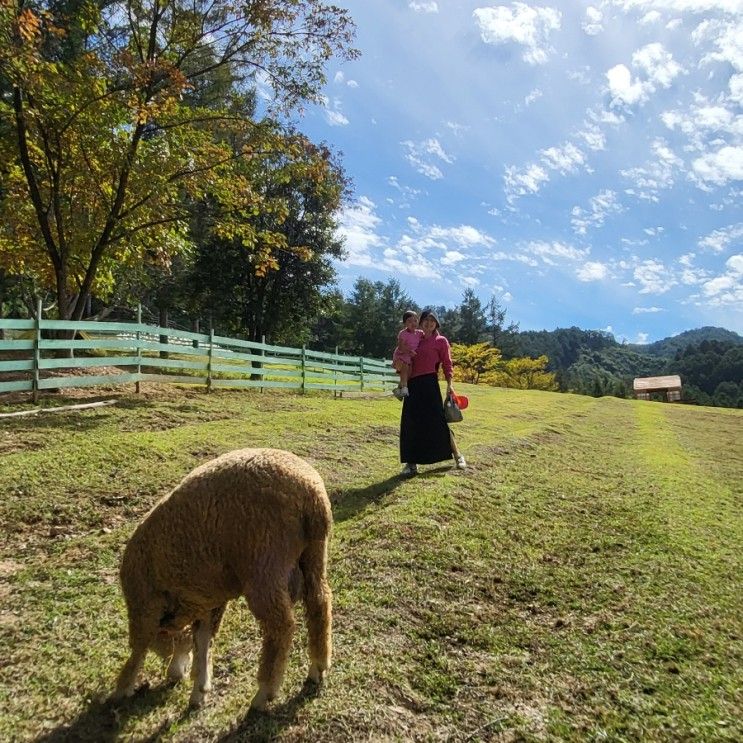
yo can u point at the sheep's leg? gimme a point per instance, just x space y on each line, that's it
318 609
274 614
179 661
127 681
204 631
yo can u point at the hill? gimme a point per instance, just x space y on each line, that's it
709 360
669 346
578 582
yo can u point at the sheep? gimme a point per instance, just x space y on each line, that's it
253 522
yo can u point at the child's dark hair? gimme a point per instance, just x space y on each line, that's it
408 314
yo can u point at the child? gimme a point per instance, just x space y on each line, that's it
407 343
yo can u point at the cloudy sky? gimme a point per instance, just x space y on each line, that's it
583 162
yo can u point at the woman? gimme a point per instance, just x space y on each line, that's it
425 437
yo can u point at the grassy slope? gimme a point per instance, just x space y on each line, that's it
580 581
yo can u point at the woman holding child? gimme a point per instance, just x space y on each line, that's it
425 437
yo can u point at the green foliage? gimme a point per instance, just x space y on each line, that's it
109 130
480 363
372 317
477 363
669 347
712 373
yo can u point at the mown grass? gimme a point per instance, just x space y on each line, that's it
581 581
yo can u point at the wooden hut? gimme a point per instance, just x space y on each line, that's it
644 387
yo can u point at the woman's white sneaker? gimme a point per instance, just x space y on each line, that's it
409 470
461 462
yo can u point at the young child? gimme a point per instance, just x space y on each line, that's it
407 343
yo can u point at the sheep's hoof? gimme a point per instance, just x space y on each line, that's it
261 699
197 699
316 674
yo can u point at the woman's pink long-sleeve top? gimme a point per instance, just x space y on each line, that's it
432 350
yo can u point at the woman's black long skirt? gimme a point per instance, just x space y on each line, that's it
424 432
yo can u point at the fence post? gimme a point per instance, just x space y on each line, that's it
209 361
37 352
138 335
304 368
361 366
263 362
335 374
195 324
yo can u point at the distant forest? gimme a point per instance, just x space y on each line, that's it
285 310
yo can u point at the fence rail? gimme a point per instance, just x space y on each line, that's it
39 354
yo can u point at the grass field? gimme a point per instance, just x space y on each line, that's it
580 581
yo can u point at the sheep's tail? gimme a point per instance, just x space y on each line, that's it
317 596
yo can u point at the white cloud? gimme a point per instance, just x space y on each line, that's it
726 289
592 271
592 24
621 87
655 176
420 155
533 96
719 240
657 63
649 18
464 235
451 257
601 205
727 37
358 226
564 159
553 252
719 167
331 109
681 6
646 310
521 24
423 6
528 181
527 260
653 277
335 118
659 70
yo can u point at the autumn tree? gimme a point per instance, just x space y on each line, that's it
106 135
479 362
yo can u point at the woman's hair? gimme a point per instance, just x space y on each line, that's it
429 314
408 314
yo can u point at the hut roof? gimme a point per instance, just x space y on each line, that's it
670 382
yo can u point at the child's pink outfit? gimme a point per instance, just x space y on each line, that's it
409 339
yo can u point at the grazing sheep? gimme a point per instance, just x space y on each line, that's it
253 522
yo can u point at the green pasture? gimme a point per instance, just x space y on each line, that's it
580 581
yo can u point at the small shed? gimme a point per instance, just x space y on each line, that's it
644 387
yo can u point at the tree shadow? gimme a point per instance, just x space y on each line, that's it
264 726
102 721
348 502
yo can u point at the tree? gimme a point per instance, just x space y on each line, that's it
501 335
106 135
479 362
473 323
305 192
374 316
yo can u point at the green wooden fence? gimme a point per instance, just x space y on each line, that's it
41 354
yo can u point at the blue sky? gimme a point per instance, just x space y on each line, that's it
581 161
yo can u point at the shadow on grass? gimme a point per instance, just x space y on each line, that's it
347 502
260 726
102 721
